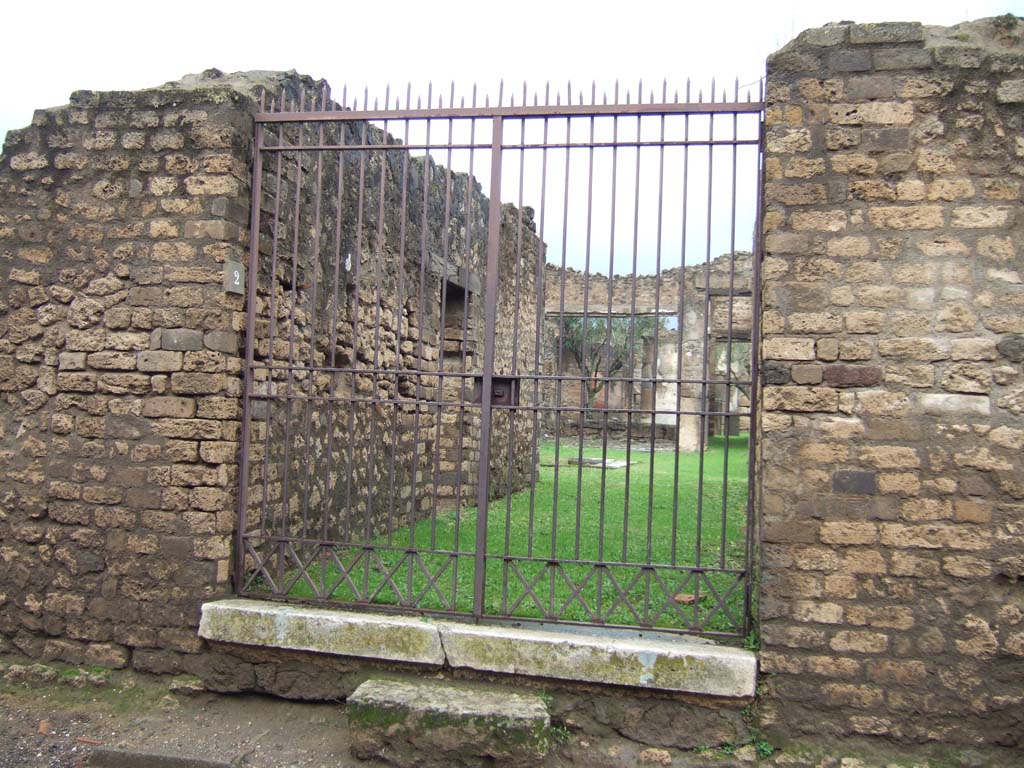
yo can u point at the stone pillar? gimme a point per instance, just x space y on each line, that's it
892 483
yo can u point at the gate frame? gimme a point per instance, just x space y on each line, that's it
339 113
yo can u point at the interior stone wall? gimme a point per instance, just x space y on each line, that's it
711 305
891 474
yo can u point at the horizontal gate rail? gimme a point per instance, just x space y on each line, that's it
456 403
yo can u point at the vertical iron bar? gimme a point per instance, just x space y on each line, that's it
333 359
398 310
753 455
313 284
538 337
561 371
681 327
702 436
585 411
250 332
728 351
291 339
493 245
653 384
419 344
632 341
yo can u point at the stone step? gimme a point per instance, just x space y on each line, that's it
423 723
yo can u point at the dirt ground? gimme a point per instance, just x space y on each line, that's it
55 725
55 716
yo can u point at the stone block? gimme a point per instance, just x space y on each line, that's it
852 375
222 341
426 723
955 405
872 113
855 481
901 58
252 622
676 665
886 32
806 374
169 407
159 361
1010 92
802 399
188 383
788 348
181 339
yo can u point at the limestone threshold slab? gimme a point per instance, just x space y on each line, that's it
666 663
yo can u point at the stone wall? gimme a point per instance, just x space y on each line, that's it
120 368
121 356
892 483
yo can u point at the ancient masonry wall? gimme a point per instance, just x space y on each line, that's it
121 358
120 370
892 483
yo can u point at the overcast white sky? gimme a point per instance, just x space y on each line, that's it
53 48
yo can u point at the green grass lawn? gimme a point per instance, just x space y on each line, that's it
589 520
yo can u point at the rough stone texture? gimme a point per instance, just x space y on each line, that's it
891 493
415 724
118 472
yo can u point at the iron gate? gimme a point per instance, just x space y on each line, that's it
461 406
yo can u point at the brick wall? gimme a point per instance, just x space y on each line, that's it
892 489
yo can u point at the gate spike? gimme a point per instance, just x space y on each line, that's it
430 92
501 90
451 96
640 91
675 97
664 89
616 91
375 103
474 95
593 92
712 90
547 93
344 97
387 96
737 96
408 96
687 89
525 93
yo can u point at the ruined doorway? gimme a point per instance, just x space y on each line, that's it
501 359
